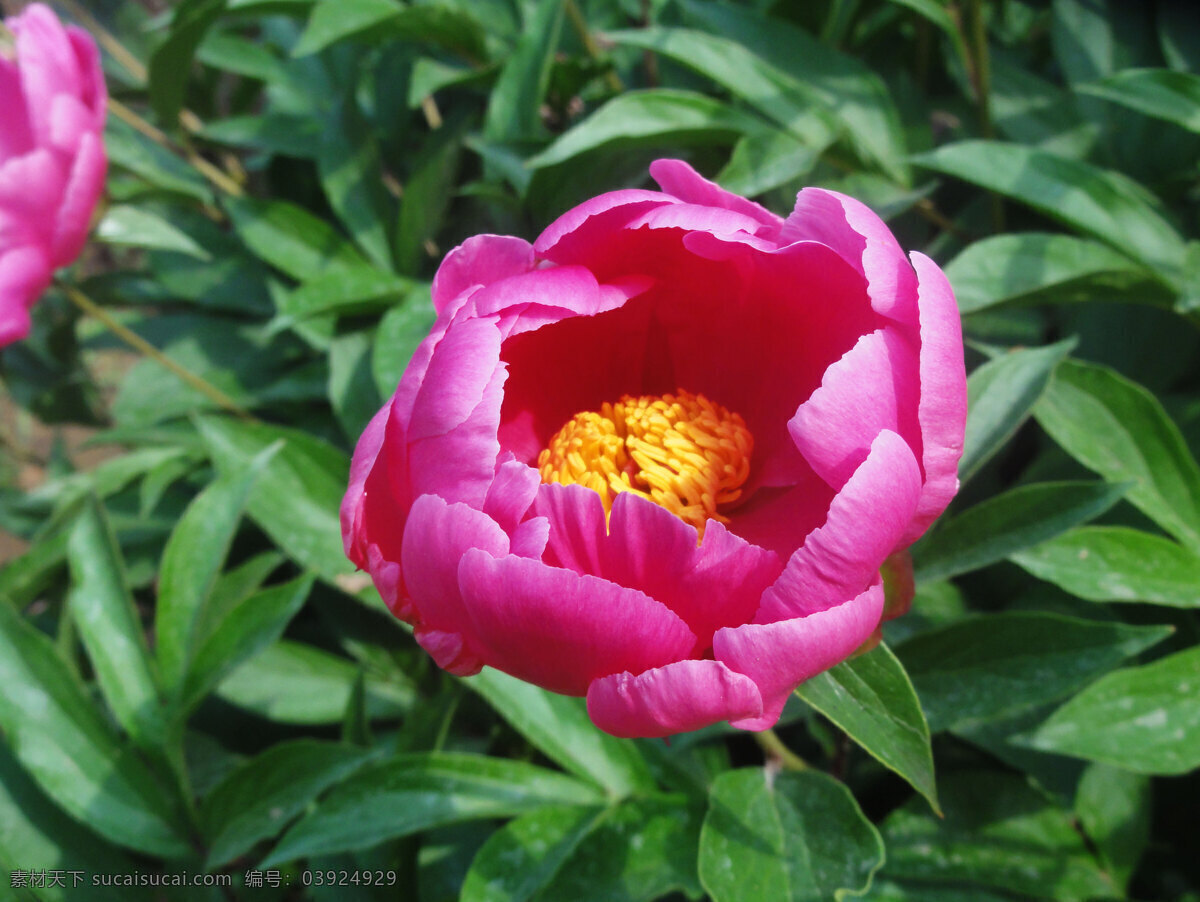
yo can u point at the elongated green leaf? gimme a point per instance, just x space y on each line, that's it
291 239
1144 719
997 833
771 92
983 668
260 798
352 177
297 495
136 227
1095 201
1161 93
1004 524
1000 397
560 727
110 629
131 150
514 108
246 630
171 61
376 20
1119 429
871 698
796 836
649 116
400 331
332 22
1114 810
1114 563
855 94
191 562
765 160
1041 266
344 291
60 739
408 793
22 578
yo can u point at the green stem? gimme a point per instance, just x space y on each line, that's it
579 23
776 751
982 72
139 344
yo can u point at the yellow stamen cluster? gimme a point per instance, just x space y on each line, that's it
681 451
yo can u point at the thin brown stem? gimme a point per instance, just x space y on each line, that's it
105 38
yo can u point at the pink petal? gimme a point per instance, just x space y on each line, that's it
24 275
943 409
480 260
564 239
680 180
695 218
780 656
16 138
351 514
93 92
682 696
48 63
872 388
448 651
30 189
511 493
866 520
560 630
83 189
780 518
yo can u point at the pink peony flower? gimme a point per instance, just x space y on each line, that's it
658 457
52 162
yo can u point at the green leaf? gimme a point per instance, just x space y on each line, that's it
845 84
871 698
61 740
1144 719
24 577
1119 429
560 728
649 117
291 239
1114 810
293 683
1097 202
986 667
427 195
770 91
342 292
765 160
135 152
1006 523
400 332
351 385
331 22
296 497
409 793
129 226
1161 93
1115 563
795 836
376 20
1037 267
171 61
1000 397
514 107
997 833
192 561
261 797
108 623
280 134
241 634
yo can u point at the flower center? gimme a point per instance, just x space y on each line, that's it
681 451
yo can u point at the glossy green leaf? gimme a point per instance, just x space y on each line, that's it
335 21
133 151
110 629
192 561
409 793
24 577
1000 397
649 116
1115 563
379 20
1028 267
352 390
1143 719
280 134
400 331
514 106
1097 202
242 633
296 497
1120 430
872 700
171 61
1161 93
291 239
796 836
560 728
1006 523
997 833
259 799
1114 810
427 195
985 667
345 291
130 226
764 160
60 738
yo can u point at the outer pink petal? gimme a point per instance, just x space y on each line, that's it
354 538
779 656
560 630
679 179
16 139
93 92
695 218
854 230
566 239
943 408
480 260
79 200
24 275
874 387
48 63
30 188
682 696
866 520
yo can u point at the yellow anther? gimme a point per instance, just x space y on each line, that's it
681 451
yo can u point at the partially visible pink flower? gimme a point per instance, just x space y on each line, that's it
659 457
52 161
